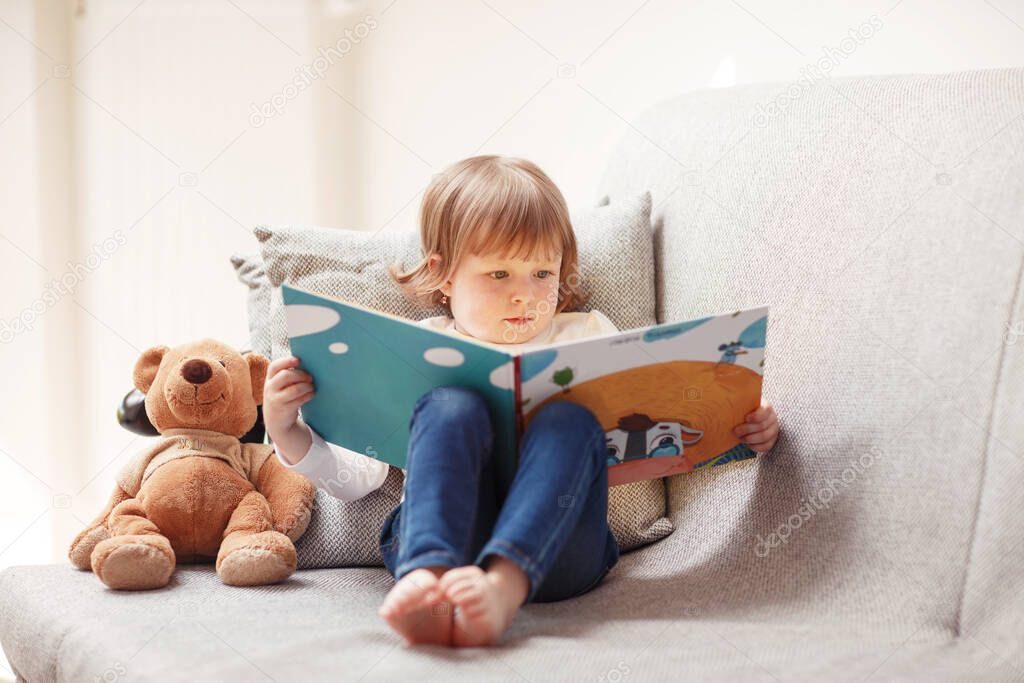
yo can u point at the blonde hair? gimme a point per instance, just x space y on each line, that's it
491 204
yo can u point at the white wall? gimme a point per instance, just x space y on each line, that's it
133 122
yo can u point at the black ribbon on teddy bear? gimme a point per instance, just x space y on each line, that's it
131 414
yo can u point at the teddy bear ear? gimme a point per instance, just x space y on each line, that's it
146 367
258 372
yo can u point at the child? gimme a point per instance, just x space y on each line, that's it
500 255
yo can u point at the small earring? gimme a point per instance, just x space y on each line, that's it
444 299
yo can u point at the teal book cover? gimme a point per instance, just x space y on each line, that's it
667 396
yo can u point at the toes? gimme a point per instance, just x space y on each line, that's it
399 596
474 607
410 591
464 592
419 581
460 575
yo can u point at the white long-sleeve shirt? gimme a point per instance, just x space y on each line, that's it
349 475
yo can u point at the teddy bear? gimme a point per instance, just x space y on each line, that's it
197 493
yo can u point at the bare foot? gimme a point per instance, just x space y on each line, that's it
416 609
485 603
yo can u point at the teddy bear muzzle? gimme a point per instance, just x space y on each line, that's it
198 392
196 371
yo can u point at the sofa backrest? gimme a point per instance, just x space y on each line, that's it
881 218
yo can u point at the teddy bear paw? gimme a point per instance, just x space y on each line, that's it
134 562
256 560
83 545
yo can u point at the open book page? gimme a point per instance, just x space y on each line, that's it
667 396
370 368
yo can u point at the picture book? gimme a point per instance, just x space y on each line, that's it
667 396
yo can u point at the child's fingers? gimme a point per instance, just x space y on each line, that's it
289 364
762 445
769 418
758 438
280 364
300 401
293 391
763 434
292 406
754 427
286 378
760 414
284 396
762 437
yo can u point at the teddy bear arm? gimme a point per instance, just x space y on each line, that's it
96 531
290 496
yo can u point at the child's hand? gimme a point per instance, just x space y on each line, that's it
761 428
285 389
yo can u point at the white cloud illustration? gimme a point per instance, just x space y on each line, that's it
502 376
306 319
444 356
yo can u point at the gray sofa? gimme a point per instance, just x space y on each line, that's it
882 539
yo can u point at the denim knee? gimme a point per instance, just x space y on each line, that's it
566 416
459 404
462 407
566 411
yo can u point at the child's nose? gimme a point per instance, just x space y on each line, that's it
523 293
522 297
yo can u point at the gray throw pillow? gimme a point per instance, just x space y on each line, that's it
251 273
347 534
616 264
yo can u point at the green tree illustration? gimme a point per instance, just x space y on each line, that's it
562 378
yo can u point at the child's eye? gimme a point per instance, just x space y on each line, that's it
543 274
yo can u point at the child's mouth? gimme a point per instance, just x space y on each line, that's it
517 321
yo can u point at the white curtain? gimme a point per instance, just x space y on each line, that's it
131 167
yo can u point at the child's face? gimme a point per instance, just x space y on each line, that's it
485 291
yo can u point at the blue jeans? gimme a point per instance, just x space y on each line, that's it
553 522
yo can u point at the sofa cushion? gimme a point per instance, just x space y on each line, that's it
880 218
617 274
646 621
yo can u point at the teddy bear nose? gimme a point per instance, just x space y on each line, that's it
196 371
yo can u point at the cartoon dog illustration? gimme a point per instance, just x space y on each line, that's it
637 436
